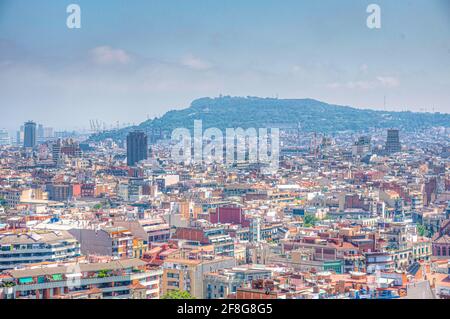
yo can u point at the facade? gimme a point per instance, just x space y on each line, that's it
108 241
4 138
220 284
187 274
60 192
393 142
11 197
137 147
381 261
228 215
18 249
120 279
29 135
362 146
441 242
196 237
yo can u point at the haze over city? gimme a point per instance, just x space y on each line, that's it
254 155
139 59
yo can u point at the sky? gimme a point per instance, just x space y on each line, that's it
132 60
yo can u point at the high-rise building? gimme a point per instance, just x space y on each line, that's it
137 147
20 135
393 142
362 146
4 137
56 151
48 132
40 133
30 134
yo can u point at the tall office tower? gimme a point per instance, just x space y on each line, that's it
48 132
29 139
56 151
137 147
4 137
40 133
393 142
19 136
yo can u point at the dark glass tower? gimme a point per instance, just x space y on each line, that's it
29 139
137 147
393 142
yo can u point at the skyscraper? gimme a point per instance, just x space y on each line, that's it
30 134
393 142
4 137
40 133
19 136
136 147
362 146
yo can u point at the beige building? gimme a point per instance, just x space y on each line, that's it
187 274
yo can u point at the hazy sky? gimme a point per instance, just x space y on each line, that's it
132 59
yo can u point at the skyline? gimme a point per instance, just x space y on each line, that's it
146 58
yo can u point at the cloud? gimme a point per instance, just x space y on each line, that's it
195 63
388 81
108 55
378 82
363 68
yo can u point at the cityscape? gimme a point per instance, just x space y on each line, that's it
234 197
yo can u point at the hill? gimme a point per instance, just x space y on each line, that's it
312 115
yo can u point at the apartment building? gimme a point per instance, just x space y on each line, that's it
120 279
195 237
187 274
225 282
17 249
150 230
107 241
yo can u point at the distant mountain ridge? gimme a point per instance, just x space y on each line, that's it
312 115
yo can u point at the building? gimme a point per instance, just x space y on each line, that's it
120 279
362 146
187 274
382 261
137 147
393 142
108 241
18 249
11 197
149 230
40 133
441 242
220 284
196 237
4 138
228 215
60 192
29 135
